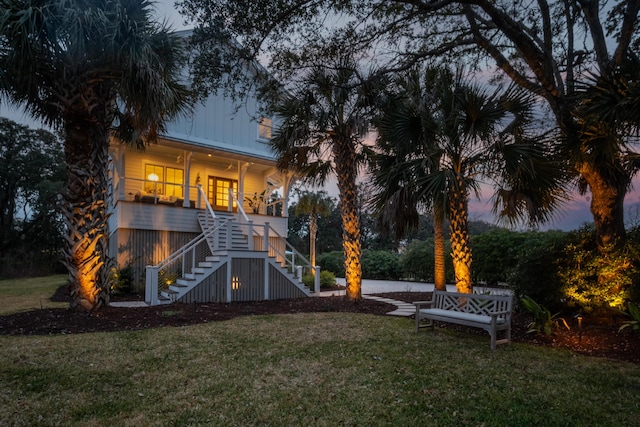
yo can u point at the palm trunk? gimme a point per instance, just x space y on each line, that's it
313 230
85 211
439 271
460 249
344 156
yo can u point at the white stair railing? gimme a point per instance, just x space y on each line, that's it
180 263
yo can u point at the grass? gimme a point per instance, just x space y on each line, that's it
29 294
321 369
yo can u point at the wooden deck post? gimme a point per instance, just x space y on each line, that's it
266 237
151 285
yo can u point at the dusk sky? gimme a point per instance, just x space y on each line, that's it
574 214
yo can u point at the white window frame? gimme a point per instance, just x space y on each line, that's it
265 129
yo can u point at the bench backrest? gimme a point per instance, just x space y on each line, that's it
472 303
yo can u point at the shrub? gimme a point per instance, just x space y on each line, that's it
634 313
327 280
535 272
333 262
495 253
418 259
380 265
121 280
598 280
543 321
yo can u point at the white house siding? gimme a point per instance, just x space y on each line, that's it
218 123
280 287
247 284
146 216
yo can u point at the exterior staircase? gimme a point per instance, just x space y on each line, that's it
224 265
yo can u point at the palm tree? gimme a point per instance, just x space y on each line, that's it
83 66
324 121
439 136
314 205
405 133
608 119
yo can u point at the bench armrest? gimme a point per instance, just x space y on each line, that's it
498 313
419 304
505 313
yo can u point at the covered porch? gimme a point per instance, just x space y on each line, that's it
181 175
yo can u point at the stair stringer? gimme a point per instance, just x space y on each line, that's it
280 277
182 286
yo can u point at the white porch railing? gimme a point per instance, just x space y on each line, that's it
133 189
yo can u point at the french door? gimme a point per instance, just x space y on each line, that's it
218 192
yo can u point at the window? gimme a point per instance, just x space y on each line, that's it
175 181
218 192
163 180
264 128
154 178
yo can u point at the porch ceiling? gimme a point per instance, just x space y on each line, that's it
217 158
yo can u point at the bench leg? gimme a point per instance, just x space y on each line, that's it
429 324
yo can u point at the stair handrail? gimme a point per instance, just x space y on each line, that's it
234 198
194 242
274 203
152 286
207 206
268 231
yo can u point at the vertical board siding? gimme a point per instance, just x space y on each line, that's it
280 287
212 289
139 248
247 283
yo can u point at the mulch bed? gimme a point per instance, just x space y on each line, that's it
597 337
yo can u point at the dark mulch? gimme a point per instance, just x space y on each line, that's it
597 337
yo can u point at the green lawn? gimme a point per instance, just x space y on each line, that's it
323 369
29 294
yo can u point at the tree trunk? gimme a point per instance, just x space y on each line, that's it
607 205
460 249
313 229
346 168
439 270
85 210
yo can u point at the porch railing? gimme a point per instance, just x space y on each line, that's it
132 189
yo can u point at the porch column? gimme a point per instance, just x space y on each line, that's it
289 180
242 171
118 173
187 179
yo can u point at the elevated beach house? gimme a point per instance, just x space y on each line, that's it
201 216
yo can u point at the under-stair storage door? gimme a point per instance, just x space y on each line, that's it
218 192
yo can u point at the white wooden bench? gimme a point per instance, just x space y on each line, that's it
489 312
